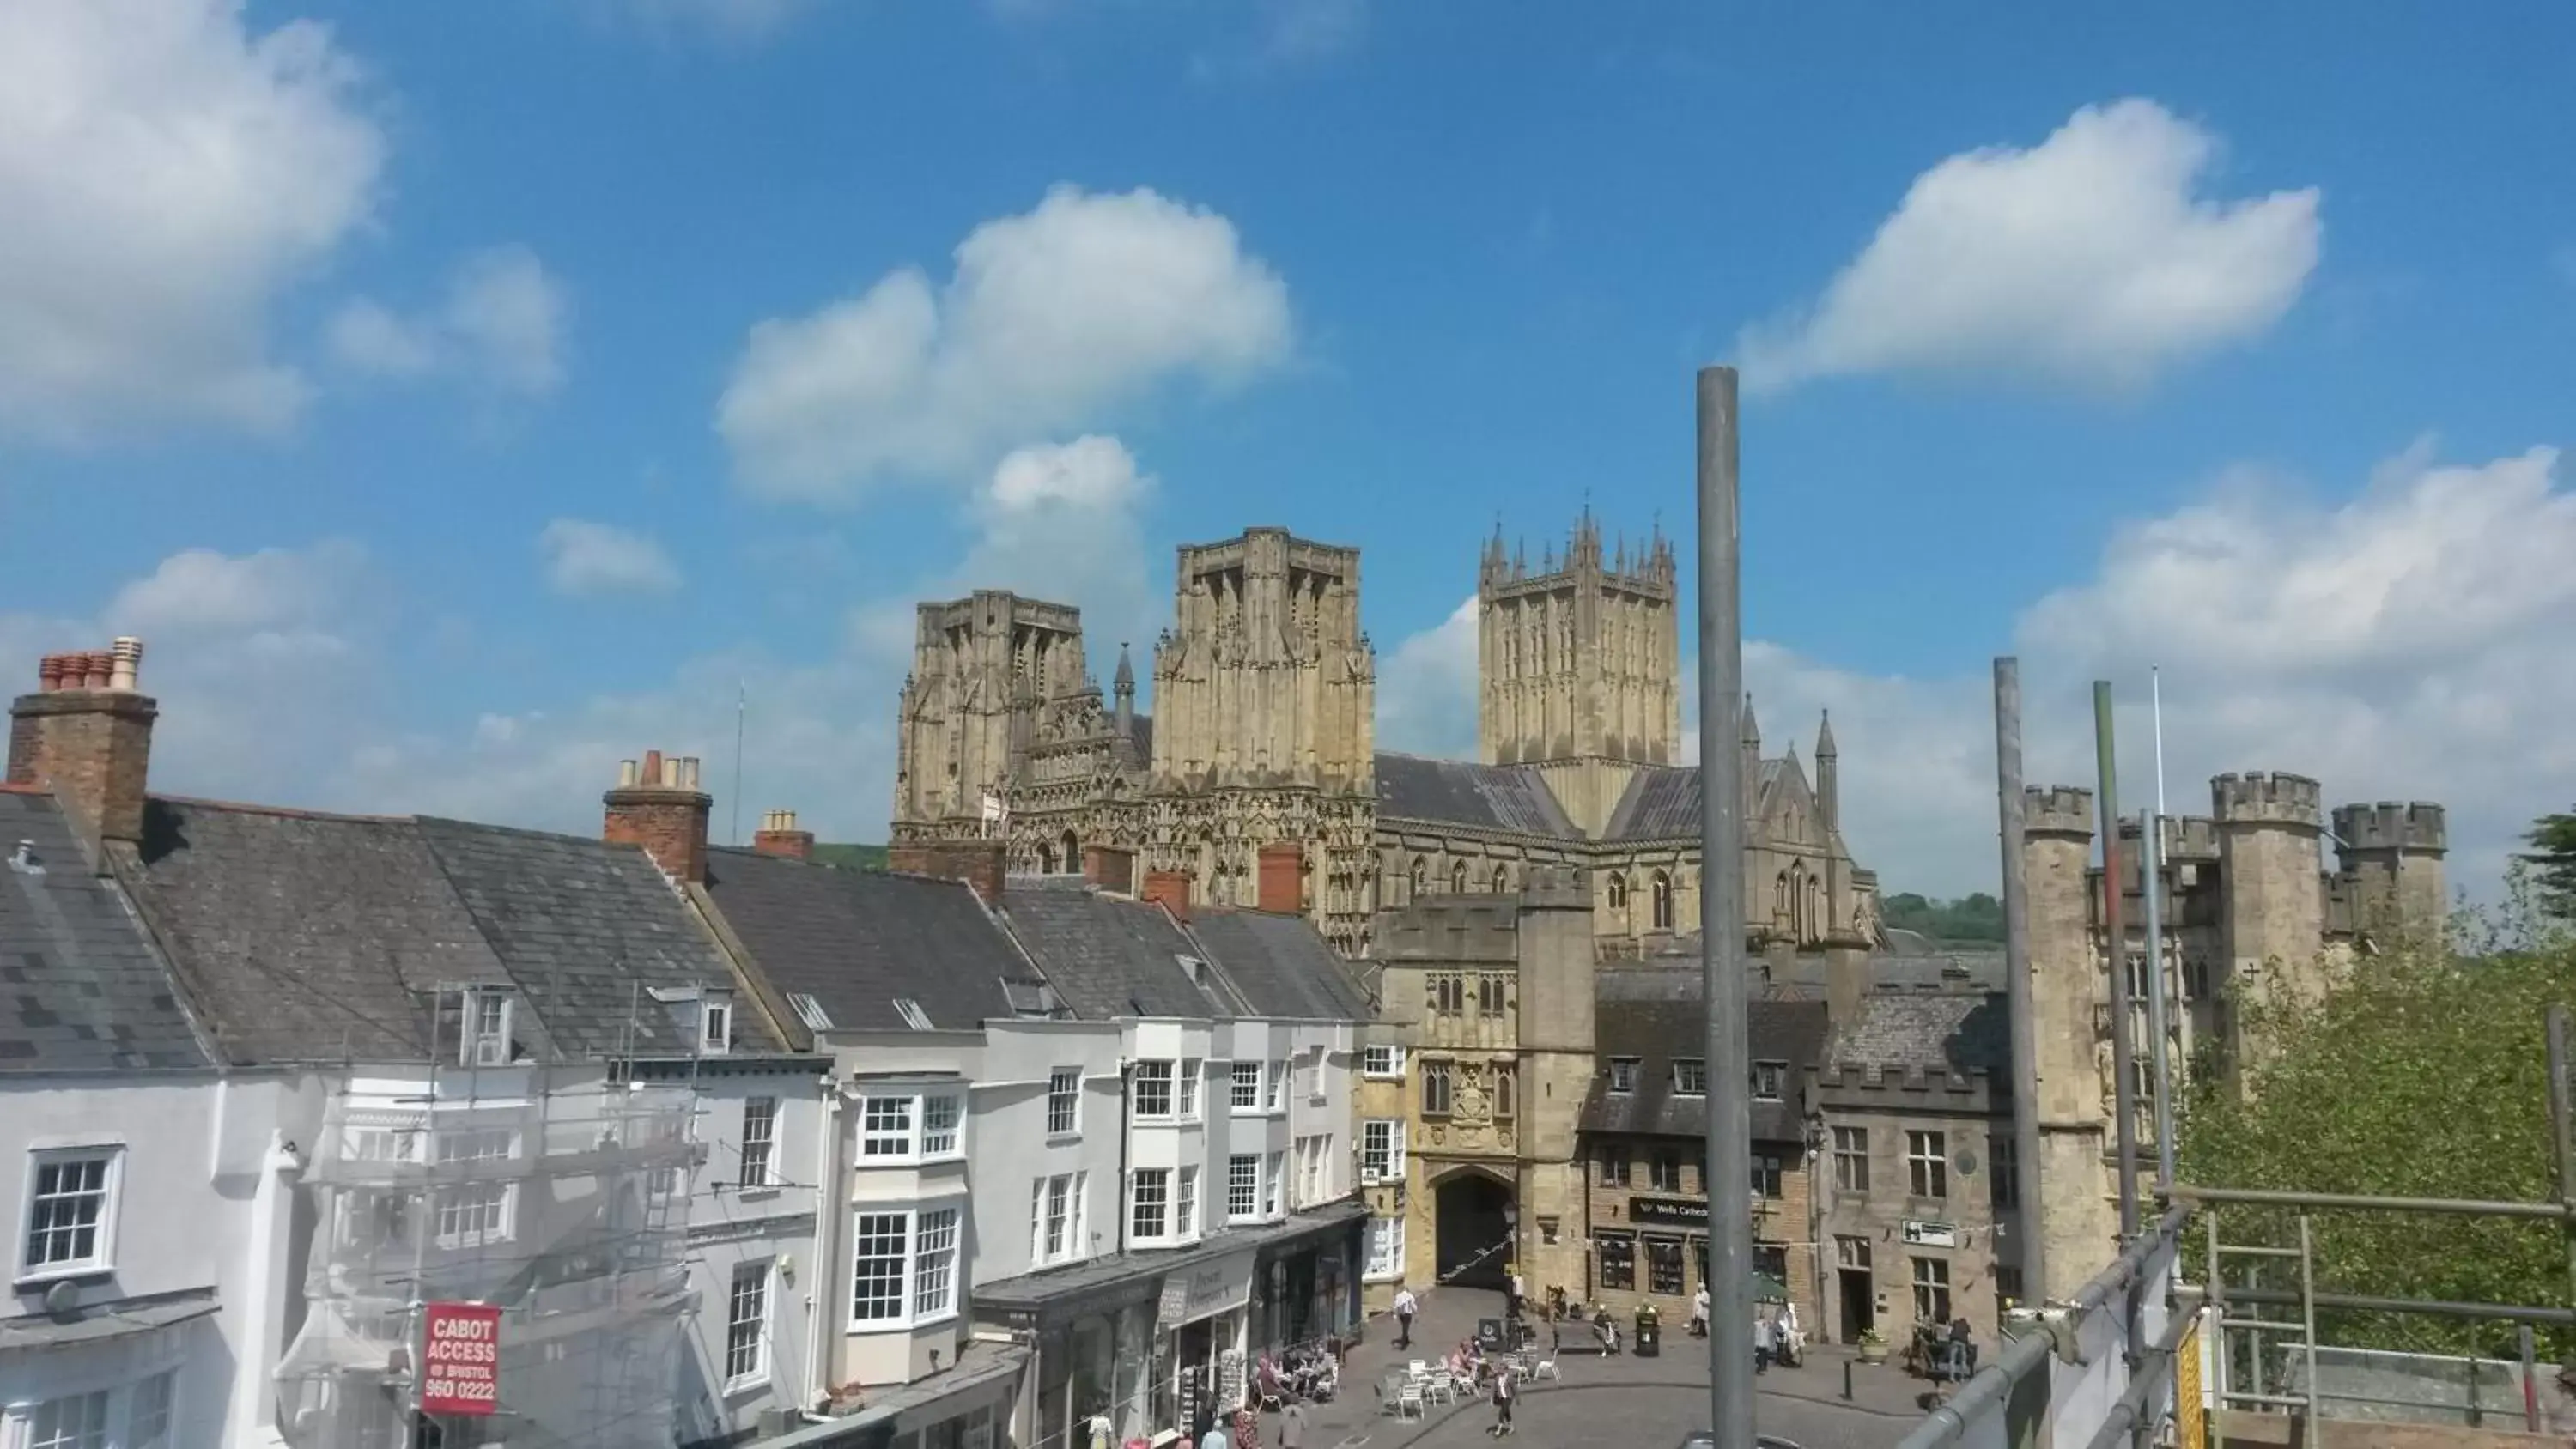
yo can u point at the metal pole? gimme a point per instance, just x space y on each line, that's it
2017 1003
2151 825
2124 1094
2530 1384
1721 915
2562 1124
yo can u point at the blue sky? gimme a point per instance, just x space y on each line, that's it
477 395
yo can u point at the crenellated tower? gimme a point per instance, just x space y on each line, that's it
1579 665
2269 830
2079 1216
1265 676
2391 856
982 669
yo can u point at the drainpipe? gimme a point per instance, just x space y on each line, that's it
821 1273
1126 1111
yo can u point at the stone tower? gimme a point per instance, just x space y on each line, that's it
1265 677
1579 666
2079 1218
981 668
2269 828
1556 963
2392 854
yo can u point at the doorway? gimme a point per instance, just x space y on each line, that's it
1859 1296
1475 1233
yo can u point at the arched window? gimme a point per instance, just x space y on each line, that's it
1457 877
1780 901
1072 852
1663 901
1046 861
1415 880
1502 880
1815 909
1505 1104
1618 891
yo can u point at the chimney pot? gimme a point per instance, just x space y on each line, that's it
90 746
688 772
653 768
125 663
102 664
49 673
628 775
779 836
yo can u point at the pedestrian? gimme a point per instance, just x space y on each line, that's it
1214 1438
1512 1306
1507 1387
1405 1308
1764 1344
1292 1425
1791 1347
1699 1313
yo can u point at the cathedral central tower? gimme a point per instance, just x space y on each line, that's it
1579 665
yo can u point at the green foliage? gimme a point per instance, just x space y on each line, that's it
850 857
2553 863
1978 917
2424 1074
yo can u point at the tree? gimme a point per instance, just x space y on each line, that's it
2553 862
1976 917
2422 1074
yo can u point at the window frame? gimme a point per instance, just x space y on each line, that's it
1623 1074
1664 1171
1851 1160
100 1261
1616 1166
1928 1286
1135 1204
1189 1086
473 1038
1391 1163
909 1314
758 1172
1382 1250
1243 1186
1064 1089
715 1027
763 1273
1440 1073
915 1136
1392 1071
1769 1181
1616 1253
1927 1164
1274 1089
1144 1076
1243 1090
1688 1071
1778 1074
2003 1173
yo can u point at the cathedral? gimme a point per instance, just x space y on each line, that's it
1256 780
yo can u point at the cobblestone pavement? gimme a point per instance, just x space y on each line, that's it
1626 1400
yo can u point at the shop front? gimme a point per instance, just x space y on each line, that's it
1201 1327
1306 1285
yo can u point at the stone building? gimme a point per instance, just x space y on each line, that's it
1645 1130
2250 909
1475 1172
1915 1166
1262 737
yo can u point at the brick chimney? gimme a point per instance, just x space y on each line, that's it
779 836
979 863
1281 881
1110 868
86 735
659 806
1170 888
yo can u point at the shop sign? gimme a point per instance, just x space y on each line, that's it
460 1359
1930 1235
1678 1212
1207 1289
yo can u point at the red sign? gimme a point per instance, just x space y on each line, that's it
460 1359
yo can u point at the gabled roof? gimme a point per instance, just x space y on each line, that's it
80 987
307 937
1107 956
857 941
1658 1015
1956 1032
303 937
1662 802
1280 965
1455 792
589 930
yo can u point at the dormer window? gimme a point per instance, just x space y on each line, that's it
912 1014
487 1029
1623 1074
715 1026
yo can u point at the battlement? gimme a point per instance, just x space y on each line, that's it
1270 551
2388 825
992 610
2189 837
2057 810
1646 569
1449 931
1556 887
1973 1091
2261 798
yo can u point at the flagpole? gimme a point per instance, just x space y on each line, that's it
741 713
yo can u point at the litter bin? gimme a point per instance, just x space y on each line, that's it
1650 1333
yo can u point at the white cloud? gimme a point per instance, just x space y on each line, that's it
500 326
585 558
1088 303
2094 258
2406 643
165 175
1426 688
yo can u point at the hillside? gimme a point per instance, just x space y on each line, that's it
850 857
1978 917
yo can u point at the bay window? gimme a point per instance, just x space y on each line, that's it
904 1266
910 1125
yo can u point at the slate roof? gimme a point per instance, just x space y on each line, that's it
588 930
1280 966
855 940
1659 1014
1106 956
307 938
1954 1032
80 987
1662 802
1456 792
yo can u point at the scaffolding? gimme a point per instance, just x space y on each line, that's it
558 1195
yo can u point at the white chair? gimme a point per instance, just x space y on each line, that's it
1418 1370
1545 1369
1408 1402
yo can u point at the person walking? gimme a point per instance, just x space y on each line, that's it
1292 1425
1699 1313
1405 1308
1507 1387
1765 1342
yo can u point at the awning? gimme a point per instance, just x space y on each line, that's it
105 1322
